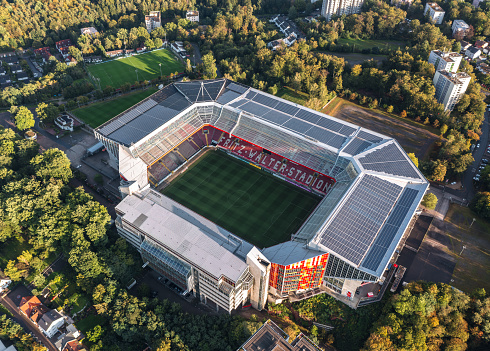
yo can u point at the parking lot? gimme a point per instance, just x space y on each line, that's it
483 163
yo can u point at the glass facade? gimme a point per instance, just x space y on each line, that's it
165 263
337 268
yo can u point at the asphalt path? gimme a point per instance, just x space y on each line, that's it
27 324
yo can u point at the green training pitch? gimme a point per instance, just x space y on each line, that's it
246 201
96 114
117 72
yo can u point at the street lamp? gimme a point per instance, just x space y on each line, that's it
160 70
473 221
136 75
464 247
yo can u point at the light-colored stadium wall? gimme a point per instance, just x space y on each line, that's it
260 268
132 169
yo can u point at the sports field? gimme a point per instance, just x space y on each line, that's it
100 112
117 72
246 201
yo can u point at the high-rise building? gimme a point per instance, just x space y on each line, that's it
436 13
445 61
340 7
450 87
153 20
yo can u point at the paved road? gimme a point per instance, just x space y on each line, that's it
25 323
198 58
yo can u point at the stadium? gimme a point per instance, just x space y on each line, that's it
240 197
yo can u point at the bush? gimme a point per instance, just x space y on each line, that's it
481 204
389 109
430 201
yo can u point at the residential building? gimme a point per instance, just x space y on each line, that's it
445 61
450 87
89 31
472 52
400 3
276 44
11 60
481 44
484 68
271 337
65 122
460 28
44 52
192 15
114 53
5 79
153 20
339 7
141 49
63 44
15 69
178 48
5 348
477 3
22 76
4 284
68 341
3 71
50 322
32 308
464 45
436 13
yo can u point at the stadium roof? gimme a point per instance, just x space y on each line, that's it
289 252
186 234
377 190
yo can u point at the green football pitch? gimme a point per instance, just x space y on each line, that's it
100 112
117 72
258 207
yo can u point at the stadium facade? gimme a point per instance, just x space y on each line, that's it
370 191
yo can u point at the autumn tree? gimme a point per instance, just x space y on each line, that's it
23 118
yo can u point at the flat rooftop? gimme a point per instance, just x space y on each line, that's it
186 234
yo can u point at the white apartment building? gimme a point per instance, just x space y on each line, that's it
400 3
477 3
153 20
445 61
340 7
436 13
450 87
460 26
192 16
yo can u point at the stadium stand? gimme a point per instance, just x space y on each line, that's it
187 149
158 171
277 164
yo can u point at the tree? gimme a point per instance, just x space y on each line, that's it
443 129
293 13
403 114
480 204
209 66
414 159
24 119
47 112
389 109
53 163
429 201
188 66
75 53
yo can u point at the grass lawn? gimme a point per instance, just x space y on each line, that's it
291 95
117 72
248 202
473 265
96 114
90 322
368 44
12 249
